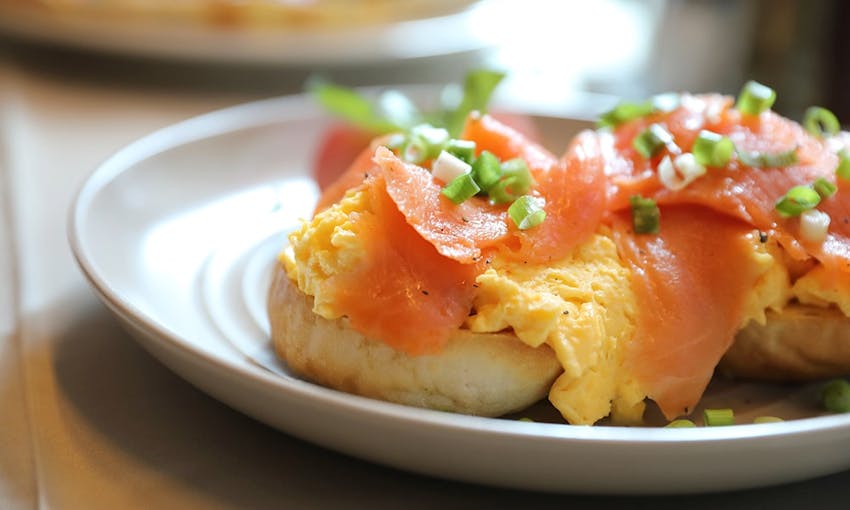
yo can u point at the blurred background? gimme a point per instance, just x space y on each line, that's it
565 56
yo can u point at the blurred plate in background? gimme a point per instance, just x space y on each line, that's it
322 32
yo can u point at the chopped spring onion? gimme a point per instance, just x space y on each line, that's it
718 417
414 150
625 112
843 170
680 424
677 174
645 215
767 419
527 212
423 142
712 149
432 138
814 225
824 188
651 140
448 167
502 192
486 170
821 122
461 189
798 200
768 159
835 396
755 98
463 149
517 171
515 180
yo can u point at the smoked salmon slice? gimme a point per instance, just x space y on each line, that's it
457 231
405 292
573 191
737 190
691 287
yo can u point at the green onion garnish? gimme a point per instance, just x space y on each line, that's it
798 200
755 98
414 150
712 149
486 170
768 159
767 419
835 396
718 417
502 192
461 188
843 170
462 149
680 424
651 140
526 212
821 122
645 215
516 170
824 188
625 112
423 142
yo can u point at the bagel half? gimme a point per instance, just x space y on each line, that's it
801 343
486 374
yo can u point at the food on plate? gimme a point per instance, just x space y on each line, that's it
476 272
277 14
363 118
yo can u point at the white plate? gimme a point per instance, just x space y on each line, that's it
177 234
466 30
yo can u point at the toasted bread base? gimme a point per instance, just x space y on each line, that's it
492 374
486 374
801 343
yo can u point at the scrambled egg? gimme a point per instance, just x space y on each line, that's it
323 247
583 306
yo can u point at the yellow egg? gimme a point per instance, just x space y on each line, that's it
584 308
323 247
820 287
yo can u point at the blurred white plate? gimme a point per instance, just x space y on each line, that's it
465 30
177 234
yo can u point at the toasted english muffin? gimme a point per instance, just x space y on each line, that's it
798 344
486 374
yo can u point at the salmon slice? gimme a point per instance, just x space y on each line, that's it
573 191
506 143
354 176
405 293
691 288
457 231
737 190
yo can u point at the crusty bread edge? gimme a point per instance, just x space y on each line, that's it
800 343
486 374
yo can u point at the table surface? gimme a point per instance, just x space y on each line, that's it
90 419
